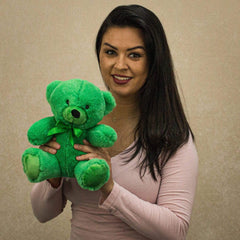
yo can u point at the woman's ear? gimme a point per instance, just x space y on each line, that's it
50 89
109 102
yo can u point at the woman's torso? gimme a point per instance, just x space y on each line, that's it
91 222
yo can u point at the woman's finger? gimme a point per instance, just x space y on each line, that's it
48 149
86 142
53 144
88 156
84 148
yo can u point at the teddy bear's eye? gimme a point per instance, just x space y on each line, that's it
87 106
67 101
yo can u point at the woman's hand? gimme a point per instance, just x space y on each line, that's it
96 152
52 147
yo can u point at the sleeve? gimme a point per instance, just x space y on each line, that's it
169 218
47 202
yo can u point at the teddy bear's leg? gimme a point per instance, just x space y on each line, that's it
92 174
39 165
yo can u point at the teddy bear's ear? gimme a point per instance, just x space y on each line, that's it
51 87
109 101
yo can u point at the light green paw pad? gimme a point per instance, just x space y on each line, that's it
31 166
95 175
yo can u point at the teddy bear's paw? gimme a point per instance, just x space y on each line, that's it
31 166
39 165
102 136
93 175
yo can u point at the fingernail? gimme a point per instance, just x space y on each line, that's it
53 151
77 146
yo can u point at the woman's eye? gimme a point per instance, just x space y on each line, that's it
110 52
87 106
67 101
135 55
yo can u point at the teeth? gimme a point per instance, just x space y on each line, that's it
122 78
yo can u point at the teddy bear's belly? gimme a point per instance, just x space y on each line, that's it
66 155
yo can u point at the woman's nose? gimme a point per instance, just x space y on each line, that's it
121 63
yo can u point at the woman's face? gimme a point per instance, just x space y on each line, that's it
123 61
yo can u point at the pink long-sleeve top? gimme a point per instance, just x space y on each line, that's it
135 209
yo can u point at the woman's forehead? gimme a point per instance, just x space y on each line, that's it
127 36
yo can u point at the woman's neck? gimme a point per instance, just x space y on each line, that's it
126 110
124 119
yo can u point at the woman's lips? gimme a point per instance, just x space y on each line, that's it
119 79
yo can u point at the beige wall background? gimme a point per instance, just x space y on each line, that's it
41 41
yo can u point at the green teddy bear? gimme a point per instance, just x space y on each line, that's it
78 106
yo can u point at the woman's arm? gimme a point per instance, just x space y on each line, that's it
47 201
169 217
47 197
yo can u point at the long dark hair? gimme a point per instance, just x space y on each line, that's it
162 128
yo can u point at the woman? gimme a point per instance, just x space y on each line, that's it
154 161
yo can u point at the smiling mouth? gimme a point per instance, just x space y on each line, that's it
121 79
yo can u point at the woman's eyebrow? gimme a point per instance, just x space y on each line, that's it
109 45
133 48
129 49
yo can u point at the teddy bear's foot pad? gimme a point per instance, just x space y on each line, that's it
95 175
31 166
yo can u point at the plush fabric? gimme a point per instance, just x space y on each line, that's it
78 106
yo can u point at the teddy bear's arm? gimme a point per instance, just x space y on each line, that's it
38 132
102 136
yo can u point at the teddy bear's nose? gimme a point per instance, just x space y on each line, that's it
76 113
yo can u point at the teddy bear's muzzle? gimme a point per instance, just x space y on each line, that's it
75 115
